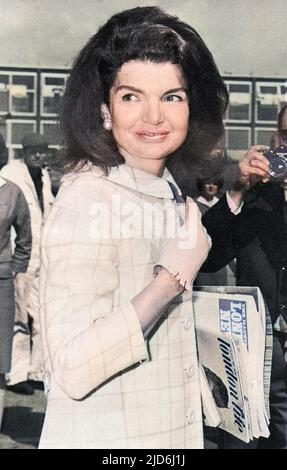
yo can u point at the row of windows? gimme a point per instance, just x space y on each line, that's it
268 100
18 93
13 132
18 96
29 102
239 139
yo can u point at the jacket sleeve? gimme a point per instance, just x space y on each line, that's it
266 207
89 336
220 224
262 218
23 241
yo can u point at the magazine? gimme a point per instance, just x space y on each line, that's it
234 339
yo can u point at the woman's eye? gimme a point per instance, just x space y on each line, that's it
173 98
129 97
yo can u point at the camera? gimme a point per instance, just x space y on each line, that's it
278 161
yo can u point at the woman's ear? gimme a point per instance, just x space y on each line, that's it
105 113
107 120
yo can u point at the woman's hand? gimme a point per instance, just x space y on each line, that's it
181 257
184 253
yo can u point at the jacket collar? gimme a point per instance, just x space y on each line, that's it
142 181
22 170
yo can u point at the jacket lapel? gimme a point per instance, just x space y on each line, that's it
2 182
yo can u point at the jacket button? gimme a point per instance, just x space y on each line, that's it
187 323
189 370
190 417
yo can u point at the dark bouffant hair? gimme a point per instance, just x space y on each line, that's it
148 34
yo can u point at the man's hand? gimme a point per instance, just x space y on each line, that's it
254 166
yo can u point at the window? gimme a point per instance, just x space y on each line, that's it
238 140
51 130
269 99
263 136
18 93
239 108
3 130
15 131
4 94
52 89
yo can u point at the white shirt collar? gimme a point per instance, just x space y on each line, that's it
204 201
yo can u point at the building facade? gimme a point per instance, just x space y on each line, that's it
30 100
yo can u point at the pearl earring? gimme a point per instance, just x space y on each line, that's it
107 124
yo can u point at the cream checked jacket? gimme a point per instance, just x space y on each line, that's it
107 386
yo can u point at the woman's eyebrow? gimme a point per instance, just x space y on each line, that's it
128 87
139 90
175 90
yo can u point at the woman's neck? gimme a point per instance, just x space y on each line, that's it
154 166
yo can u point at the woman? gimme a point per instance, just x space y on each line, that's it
120 245
14 212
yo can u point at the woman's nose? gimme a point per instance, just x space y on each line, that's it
153 113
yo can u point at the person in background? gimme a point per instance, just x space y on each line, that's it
209 190
121 367
280 137
257 238
14 212
54 166
34 181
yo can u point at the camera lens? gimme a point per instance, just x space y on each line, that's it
277 167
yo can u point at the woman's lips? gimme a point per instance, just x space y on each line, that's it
152 136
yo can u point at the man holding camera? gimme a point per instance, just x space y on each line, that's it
257 237
29 174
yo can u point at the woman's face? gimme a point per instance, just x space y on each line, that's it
149 112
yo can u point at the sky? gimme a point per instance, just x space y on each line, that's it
246 37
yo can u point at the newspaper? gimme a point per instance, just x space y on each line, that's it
234 339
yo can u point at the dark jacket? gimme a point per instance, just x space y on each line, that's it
257 237
3 152
14 212
217 278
